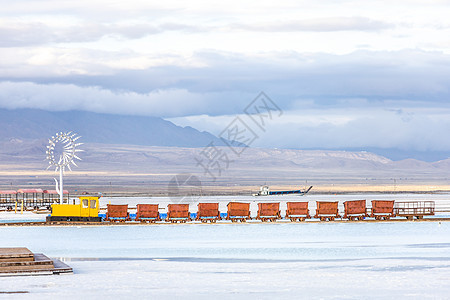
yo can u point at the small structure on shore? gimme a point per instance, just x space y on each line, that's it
265 191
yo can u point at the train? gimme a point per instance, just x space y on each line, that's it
82 209
87 209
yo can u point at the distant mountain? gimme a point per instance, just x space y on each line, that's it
100 128
398 154
148 169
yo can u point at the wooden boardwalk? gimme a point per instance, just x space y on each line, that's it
21 261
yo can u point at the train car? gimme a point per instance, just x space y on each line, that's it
117 212
83 209
355 210
327 210
178 213
208 212
382 209
268 212
414 209
238 211
297 211
147 213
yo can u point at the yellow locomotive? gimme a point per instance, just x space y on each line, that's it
83 209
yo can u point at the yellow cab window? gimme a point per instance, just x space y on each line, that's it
93 203
85 203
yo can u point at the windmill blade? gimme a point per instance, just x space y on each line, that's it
65 141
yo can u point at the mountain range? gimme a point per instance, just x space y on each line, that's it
149 151
36 124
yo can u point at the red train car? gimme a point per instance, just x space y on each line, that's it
117 212
297 211
178 212
355 210
327 210
268 212
382 209
208 212
147 213
238 211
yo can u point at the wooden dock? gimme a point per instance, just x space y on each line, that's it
21 261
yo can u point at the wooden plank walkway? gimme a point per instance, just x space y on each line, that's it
15 254
21 261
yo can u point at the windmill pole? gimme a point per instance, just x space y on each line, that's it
61 188
66 158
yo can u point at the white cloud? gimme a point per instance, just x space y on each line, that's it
318 25
373 126
334 65
160 102
63 97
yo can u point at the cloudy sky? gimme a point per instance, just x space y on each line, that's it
347 74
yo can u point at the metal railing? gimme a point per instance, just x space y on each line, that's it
414 208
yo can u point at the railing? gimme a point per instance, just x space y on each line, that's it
414 208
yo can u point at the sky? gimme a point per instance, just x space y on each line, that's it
346 74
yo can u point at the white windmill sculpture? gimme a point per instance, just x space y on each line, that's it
67 141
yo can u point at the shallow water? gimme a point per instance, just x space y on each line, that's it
315 260
244 261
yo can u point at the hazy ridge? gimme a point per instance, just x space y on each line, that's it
100 128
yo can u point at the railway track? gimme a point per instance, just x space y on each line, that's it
225 222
